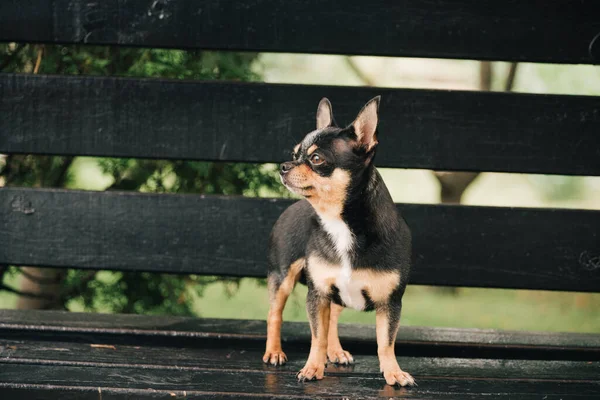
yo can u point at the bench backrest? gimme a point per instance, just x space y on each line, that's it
216 121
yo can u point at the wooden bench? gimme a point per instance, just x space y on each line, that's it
59 355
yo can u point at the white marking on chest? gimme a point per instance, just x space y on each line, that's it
343 241
340 235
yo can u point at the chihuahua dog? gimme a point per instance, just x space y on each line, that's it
345 240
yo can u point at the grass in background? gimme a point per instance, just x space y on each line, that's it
9 300
424 306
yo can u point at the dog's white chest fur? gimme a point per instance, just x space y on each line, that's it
350 290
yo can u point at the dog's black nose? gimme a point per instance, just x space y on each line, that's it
286 166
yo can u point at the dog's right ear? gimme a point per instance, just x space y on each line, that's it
325 114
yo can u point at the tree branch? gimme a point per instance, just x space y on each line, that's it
510 79
3 269
358 72
25 294
485 76
62 174
38 279
38 62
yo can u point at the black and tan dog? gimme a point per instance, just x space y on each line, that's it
345 240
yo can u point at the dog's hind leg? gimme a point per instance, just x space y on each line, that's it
279 291
335 352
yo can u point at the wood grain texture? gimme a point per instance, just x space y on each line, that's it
70 355
511 30
134 330
241 358
441 130
456 246
257 383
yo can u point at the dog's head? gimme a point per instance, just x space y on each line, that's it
330 159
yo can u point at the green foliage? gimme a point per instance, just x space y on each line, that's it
557 187
124 291
190 176
35 171
118 61
139 293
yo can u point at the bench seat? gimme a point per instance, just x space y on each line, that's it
59 355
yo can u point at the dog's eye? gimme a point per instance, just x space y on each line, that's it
316 159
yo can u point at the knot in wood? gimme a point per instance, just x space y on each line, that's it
588 261
158 9
22 204
594 49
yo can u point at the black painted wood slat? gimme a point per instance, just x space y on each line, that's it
135 330
53 367
441 130
458 246
558 31
241 358
230 383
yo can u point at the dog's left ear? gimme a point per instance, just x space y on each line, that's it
365 124
325 114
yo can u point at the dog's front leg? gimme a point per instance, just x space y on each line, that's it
387 323
335 352
318 309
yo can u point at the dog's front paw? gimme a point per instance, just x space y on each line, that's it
395 376
337 355
312 370
275 357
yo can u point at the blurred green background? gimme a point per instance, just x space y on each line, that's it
247 298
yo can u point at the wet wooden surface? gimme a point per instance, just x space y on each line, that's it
58 323
55 369
169 331
238 356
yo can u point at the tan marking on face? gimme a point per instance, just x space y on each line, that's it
378 284
296 148
299 177
330 193
326 194
311 149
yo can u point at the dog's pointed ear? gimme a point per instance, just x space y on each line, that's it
324 114
365 124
